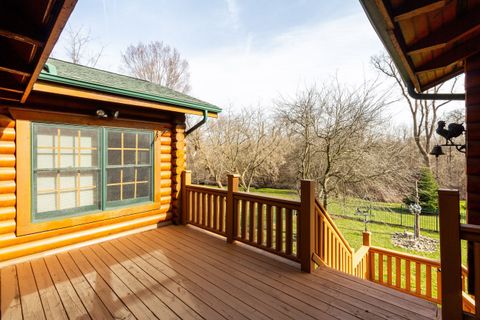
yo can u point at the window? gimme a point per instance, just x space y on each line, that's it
83 169
128 166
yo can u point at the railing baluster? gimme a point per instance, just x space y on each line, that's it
373 266
428 281
407 274
278 228
222 215
269 226
260 216
251 221
288 231
380 267
389 269
398 274
418 278
215 212
243 217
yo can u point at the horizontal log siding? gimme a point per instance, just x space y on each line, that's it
170 155
7 177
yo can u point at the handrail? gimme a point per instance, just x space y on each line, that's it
470 232
197 187
284 202
327 216
359 255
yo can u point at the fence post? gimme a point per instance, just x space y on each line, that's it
450 254
186 180
307 224
230 216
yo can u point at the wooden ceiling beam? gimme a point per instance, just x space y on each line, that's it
448 33
20 37
15 70
451 56
412 9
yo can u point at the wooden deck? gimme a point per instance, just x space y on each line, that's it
179 272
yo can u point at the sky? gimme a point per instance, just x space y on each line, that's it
242 53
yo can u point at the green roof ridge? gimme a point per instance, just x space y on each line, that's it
106 81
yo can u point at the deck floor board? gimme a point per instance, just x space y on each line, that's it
182 273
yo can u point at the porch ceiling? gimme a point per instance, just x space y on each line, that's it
28 32
428 40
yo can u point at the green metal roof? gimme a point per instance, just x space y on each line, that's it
76 75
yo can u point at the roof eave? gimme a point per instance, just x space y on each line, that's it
386 35
127 93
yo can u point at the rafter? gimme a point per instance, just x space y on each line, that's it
20 37
415 8
451 56
450 32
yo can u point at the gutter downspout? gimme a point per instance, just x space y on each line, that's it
199 124
433 96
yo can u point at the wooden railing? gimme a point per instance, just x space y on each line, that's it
415 275
331 247
267 223
206 208
303 231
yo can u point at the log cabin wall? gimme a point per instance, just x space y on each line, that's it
472 89
169 163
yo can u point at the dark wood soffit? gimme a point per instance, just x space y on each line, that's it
58 25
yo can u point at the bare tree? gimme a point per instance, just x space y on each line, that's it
78 47
338 132
244 143
424 112
158 63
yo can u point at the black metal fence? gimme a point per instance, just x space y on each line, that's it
394 215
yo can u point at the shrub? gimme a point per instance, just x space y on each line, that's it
427 191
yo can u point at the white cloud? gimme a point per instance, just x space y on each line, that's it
248 74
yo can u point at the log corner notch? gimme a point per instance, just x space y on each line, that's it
186 181
7 177
307 225
178 159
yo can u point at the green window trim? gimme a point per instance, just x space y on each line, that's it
99 179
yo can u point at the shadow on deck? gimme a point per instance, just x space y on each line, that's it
180 272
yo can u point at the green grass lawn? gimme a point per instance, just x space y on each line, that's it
381 233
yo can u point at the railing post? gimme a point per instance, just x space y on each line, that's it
186 180
367 241
230 216
450 254
367 238
307 224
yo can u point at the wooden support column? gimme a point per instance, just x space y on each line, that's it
178 164
472 114
307 225
186 180
231 218
450 254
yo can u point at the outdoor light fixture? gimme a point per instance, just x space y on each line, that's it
454 131
101 114
115 114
